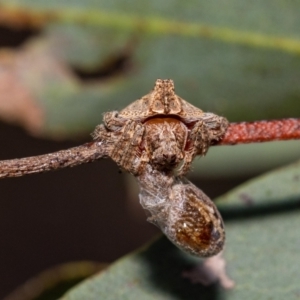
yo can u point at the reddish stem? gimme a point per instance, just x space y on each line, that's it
261 131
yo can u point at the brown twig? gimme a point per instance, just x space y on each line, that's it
261 131
88 152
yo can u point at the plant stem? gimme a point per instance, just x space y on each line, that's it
261 131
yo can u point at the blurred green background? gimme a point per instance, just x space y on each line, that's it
64 63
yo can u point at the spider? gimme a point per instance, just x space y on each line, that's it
161 129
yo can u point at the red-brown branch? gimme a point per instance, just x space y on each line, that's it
261 131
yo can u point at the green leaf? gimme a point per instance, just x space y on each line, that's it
279 187
262 251
245 160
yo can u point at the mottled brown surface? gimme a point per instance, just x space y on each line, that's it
199 227
52 161
165 141
182 211
126 130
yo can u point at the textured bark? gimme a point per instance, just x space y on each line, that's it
42 163
261 131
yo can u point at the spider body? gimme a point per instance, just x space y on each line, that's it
161 129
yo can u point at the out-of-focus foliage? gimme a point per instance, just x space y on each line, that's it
237 59
53 283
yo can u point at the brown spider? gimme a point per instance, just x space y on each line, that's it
161 129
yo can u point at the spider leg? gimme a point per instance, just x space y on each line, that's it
124 138
199 139
210 128
126 150
113 121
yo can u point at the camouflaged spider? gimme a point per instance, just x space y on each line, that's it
161 129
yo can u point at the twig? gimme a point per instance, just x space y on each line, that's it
86 153
261 131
